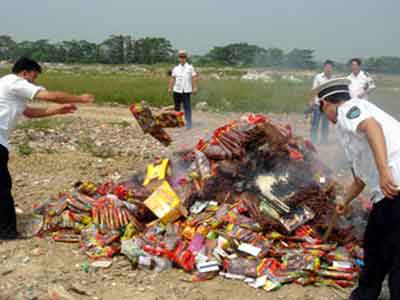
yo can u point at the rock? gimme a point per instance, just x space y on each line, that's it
102 264
19 211
6 272
202 106
58 292
37 251
26 259
79 289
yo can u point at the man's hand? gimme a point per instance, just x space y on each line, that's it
386 182
169 90
194 92
86 98
352 192
66 109
341 206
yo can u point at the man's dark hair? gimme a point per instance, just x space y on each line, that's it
26 64
356 60
329 62
339 97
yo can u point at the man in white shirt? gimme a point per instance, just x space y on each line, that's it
16 90
361 82
183 84
319 117
369 137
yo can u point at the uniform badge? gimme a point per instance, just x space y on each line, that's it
353 113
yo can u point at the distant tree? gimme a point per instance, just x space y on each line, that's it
72 51
300 59
384 64
7 47
24 48
88 51
129 56
151 50
42 50
113 49
275 57
238 54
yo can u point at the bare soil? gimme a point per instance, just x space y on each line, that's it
54 159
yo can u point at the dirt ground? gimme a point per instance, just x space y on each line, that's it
45 161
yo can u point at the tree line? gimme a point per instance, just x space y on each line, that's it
123 49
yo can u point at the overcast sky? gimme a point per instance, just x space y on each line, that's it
334 29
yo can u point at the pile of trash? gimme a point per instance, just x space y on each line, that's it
249 203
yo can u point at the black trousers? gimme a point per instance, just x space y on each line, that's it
382 252
8 219
184 98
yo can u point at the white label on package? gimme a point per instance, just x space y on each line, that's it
218 252
234 276
249 249
249 280
259 283
209 266
342 264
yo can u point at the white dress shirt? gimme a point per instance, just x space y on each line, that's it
362 83
183 75
318 80
356 146
14 95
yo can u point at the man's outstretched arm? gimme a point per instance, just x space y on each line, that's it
63 97
35 112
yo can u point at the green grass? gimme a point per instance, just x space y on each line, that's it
111 86
226 95
24 149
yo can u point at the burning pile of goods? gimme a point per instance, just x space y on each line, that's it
250 204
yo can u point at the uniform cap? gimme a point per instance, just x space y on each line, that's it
182 52
332 87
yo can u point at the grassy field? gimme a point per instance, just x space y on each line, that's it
230 94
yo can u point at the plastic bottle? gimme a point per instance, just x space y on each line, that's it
203 164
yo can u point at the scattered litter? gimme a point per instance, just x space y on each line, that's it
102 264
250 203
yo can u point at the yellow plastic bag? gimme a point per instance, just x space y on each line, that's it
156 171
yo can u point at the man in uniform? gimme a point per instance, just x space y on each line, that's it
361 82
369 137
15 91
183 83
318 116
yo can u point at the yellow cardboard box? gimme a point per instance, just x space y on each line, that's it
165 203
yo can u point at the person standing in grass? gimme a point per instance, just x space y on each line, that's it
361 82
183 84
16 90
318 117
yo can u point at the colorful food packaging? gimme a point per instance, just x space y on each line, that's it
165 203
